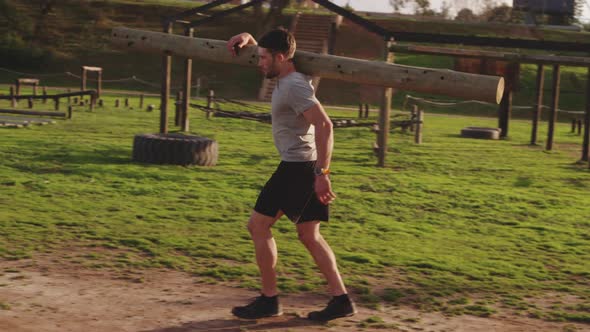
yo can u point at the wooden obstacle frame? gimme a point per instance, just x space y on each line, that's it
56 99
83 83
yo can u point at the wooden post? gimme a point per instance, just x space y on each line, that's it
83 83
188 67
35 88
99 84
165 92
100 103
13 102
116 103
17 87
92 101
360 111
126 102
586 144
413 116
366 111
573 125
56 103
419 125
554 106
30 102
539 104
69 98
70 109
141 101
505 110
178 108
384 112
579 127
210 98
44 95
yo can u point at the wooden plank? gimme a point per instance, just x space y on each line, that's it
435 81
38 113
554 106
539 103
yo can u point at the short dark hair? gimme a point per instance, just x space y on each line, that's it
279 41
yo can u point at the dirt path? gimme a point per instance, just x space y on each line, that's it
47 295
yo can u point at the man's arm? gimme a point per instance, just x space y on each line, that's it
324 141
239 41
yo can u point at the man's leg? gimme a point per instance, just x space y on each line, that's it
266 305
340 305
266 250
309 235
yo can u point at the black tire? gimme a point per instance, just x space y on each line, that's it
481 132
174 149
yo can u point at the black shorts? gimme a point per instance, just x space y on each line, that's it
290 189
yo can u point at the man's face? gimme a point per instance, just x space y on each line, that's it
268 63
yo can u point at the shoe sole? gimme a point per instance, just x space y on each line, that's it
263 317
332 318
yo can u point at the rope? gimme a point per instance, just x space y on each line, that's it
455 103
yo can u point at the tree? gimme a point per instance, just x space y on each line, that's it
421 6
466 15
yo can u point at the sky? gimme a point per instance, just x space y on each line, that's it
384 6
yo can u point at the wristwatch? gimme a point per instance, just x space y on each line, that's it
317 171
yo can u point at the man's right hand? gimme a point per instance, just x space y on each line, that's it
239 41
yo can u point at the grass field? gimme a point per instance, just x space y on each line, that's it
456 225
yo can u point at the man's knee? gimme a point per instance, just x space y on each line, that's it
260 224
308 236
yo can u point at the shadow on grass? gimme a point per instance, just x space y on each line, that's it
230 325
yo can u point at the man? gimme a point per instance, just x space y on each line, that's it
300 188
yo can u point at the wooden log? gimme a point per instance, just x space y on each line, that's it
44 91
554 106
433 81
35 113
59 95
586 142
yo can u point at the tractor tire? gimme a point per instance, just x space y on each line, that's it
481 132
174 149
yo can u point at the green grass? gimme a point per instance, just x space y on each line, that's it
445 224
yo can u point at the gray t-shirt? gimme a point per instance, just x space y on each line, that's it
294 137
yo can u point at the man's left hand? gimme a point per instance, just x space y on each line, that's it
323 189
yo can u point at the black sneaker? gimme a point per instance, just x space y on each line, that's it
339 306
261 307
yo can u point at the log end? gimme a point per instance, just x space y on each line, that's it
500 90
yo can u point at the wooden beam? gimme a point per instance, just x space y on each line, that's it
539 104
492 55
554 107
59 95
36 113
427 80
